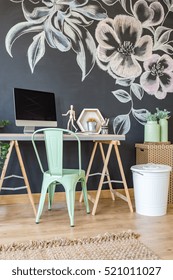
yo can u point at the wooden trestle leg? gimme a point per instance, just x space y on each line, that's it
105 173
14 144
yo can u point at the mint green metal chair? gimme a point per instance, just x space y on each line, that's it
56 174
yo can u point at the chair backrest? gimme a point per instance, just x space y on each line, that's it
53 138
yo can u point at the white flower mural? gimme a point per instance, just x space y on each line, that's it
121 45
158 76
134 47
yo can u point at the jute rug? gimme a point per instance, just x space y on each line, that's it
120 246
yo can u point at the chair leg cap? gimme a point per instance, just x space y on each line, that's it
72 225
37 223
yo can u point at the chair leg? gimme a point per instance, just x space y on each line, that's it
70 198
85 195
51 191
42 200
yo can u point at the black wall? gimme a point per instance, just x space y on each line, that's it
59 72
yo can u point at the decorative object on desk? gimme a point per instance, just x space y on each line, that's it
108 246
91 124
163 116
87 114
4 123
104 127
72 119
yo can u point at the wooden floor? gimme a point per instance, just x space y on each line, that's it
17 223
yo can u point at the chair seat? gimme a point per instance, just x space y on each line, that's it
67 172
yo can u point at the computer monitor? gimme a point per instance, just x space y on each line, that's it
34 109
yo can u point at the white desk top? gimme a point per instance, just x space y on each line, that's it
82 137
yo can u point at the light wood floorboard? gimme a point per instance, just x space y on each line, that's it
17 223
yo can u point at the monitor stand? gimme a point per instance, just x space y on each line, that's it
28 129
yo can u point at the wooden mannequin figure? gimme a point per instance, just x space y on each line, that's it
72 118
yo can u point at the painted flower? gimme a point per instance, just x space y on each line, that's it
149 14
121 46
62 24
158 76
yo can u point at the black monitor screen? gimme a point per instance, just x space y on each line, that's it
34 105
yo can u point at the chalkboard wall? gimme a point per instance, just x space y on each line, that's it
112 55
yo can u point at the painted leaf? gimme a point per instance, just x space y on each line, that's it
161 36
18 30
167 49
165 37
78 19
140 115
36 50
38 15
121 124
93 9
159 31
137 90
122 95
169 3
55 37
83 45
124 4
124 82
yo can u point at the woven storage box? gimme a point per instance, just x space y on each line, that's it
157 153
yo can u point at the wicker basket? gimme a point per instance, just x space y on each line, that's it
157 153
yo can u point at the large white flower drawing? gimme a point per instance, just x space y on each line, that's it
121 46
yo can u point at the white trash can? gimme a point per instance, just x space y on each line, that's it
151 184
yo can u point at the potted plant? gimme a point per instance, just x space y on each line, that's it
162 117
4 123
3 152
152 128
3 146
91 124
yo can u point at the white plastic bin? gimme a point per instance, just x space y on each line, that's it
151 184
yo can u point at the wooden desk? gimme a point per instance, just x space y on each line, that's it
82 137
111 140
